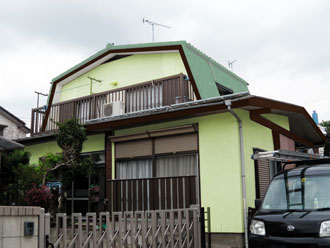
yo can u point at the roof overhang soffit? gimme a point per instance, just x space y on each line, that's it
105 56
267 105
255 115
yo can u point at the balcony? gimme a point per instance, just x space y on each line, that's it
148 95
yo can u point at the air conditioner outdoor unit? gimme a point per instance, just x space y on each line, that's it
114 108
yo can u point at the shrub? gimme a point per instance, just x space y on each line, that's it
38 196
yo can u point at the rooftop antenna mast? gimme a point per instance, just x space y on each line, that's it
153 24
230 64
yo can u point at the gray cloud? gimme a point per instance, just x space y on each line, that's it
281 46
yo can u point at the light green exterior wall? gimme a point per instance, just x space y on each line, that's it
280 120
93 143
220 171
126 71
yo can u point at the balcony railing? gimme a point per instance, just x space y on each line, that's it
152 193
149 95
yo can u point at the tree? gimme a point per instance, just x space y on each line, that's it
70 138
17 176
326 125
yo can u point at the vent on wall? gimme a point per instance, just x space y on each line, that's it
114 108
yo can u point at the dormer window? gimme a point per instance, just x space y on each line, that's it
223 90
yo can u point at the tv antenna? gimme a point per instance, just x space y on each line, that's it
153 24
230 64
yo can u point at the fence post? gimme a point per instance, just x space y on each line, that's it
180 227
42 227
172 228
120 229
197 228
73 223
153 228
209 226
202 227
93 216
64 228
163 228
187 222
144 228
105 215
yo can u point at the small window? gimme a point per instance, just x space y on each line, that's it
223 90
2 128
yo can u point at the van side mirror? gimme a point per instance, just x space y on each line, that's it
257 203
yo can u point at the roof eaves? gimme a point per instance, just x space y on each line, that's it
13 117
176 107
36 138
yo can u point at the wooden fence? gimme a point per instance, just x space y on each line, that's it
152 193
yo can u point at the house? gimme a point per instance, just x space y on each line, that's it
11 127
169 128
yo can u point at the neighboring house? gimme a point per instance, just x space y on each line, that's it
11 127
171 137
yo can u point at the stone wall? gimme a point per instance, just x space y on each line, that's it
12 221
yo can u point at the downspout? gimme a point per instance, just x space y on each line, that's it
240 126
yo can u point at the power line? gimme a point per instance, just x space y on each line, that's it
59 91
317 99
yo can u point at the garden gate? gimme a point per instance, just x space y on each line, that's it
160 228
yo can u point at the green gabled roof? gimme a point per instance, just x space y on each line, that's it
204 69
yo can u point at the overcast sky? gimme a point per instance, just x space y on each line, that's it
282 47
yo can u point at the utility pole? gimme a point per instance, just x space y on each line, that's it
39 93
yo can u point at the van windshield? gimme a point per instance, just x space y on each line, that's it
298 193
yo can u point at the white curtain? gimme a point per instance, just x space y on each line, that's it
181 165
82 111
140 168
145 97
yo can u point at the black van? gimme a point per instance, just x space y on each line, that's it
295 211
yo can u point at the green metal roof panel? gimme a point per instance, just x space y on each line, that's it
205 70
